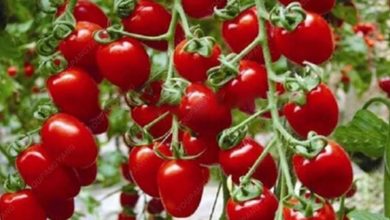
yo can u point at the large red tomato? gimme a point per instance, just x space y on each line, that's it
325 213
124 63
202 8
320 7
206 146
145 114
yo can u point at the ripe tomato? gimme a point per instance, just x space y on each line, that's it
145 114
45 175
79 48
201 111
124 63
124 216
69 141
202 8
206 175
126 172
144 165
87 175
19 205
239 32
28 69
329 174
12 71
320 7
384 84
151 19
264 207
151 93
251 83
155 206
193 66
129 199
239 159
59 209
311 41
194 145
184 200
325 213
319 114
99 124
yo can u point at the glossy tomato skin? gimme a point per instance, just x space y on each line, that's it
29 69
45 176
19 205
145 114
264 207
129 199
79 48
195 145
325 213
311 41
201 111
320 113
184 200
319 7
59 209
329 174
87 176
69 140
193 66
144 165
239 32
202 8
250 84
151 19
238 160
124 63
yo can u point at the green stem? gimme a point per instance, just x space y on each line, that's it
175 138
279 213
248 120
184 20
140 36
71 5
157 120
342 208
285 169
387 193
247 50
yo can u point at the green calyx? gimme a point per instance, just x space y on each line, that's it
230 11
288 17
124 8
245 191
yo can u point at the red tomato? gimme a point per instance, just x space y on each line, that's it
239 32
144 165
59 209
250 84
196 145
206 175
311 41
151 93
155 206
320 7
180 200
99 124
124 216
239 159
45 175
201 111
87 176
193 66
264 207
28 69
79 48
19 205
319 114
384 84
325 213
12 71
364 28
69 141
145 114
151 19
329 174
124 63
129 199
126 172
202 8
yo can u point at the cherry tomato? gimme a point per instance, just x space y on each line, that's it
79 48
124 216
320 7
239 159
69 141
155 206
59 209
311 41
12 71
145 114
45 175
329 174
250 84
206 146
384 84
151 19
193 66
19 205
352 191
184 200
144 165
99 124
87 175
28 69
151 93
319 114
264 207
324 213
124 63
206 175
129 199
364 28
202 8
201 111
239 32
126 172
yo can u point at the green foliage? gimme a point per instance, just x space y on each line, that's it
364 215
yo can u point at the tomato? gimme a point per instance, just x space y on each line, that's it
69 141
239 32
180 201
86 10
384 84
151 19
264 207
99 124
320 7
151 93
129 199
201 111
124 216
18 205
206 175
155 206
79 48
124 63
352 191
202 8
126 172
329 174
311 41
144 165
45 175
145 114
364 28
195 145
193 66
250 84
324 213
239 159
87 176
28 69
319 114
59 209
12 71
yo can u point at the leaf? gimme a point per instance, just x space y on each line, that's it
366 133
346 13
364 215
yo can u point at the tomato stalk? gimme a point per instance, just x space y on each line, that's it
341 212
186 27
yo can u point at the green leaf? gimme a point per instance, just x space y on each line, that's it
346 13
364 215
366 133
